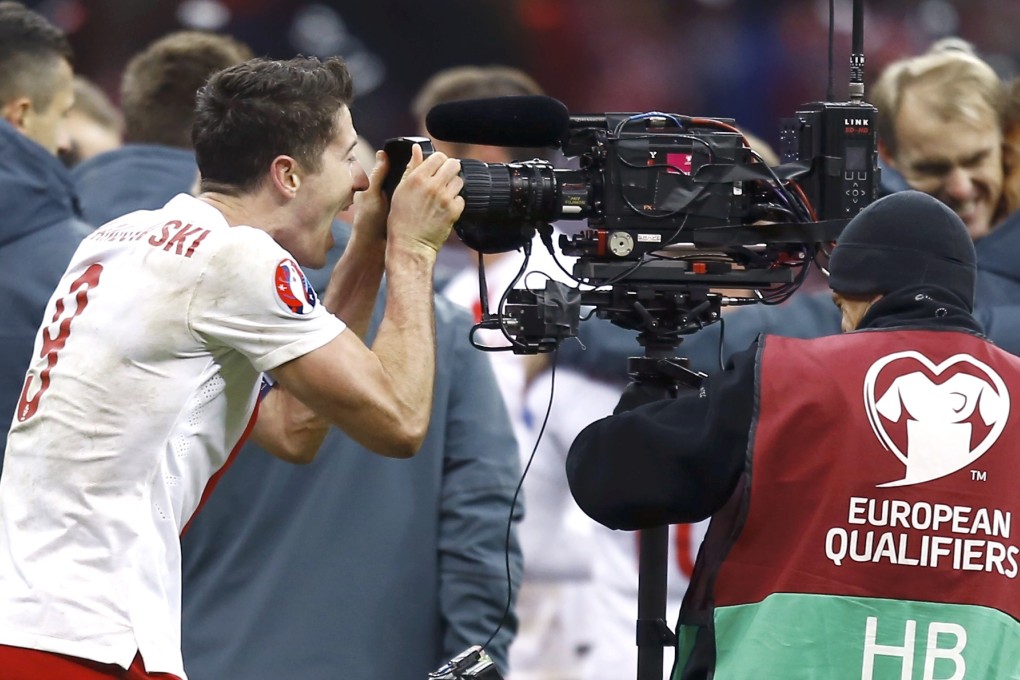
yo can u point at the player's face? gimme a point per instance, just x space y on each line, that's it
329 192
958 161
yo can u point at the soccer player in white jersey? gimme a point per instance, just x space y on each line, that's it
146 372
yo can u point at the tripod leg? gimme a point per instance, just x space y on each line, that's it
652 632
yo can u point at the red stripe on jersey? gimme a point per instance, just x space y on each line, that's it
215 479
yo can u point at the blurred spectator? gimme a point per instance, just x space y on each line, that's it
544 644
94 125
36 79
39 220
157 97
998 284
1011 149
939 126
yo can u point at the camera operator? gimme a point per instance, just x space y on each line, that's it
797 452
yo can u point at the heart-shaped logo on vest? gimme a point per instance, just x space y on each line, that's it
938 434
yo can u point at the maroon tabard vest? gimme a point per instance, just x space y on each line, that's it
875 532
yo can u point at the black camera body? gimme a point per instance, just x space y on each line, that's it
676 207
650 180
657 179
840 140
644 180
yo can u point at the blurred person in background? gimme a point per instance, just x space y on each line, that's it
40 225
1011 149
473 82
546 644
940 127
157 95
403 564
94 125
998 285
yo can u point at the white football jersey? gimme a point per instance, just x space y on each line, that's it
145 377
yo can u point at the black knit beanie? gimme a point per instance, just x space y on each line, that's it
903 240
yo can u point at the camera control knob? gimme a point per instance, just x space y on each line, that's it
621 243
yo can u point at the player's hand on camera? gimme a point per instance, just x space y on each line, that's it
372 206
427 200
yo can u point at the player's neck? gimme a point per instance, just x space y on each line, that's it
251 210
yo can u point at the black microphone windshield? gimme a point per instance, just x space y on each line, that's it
523 121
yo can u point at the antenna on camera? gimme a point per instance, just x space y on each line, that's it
857 53
830 92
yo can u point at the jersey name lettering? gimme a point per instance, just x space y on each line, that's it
185 235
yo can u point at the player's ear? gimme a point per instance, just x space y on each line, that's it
285 176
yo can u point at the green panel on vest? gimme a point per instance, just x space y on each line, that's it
685 636
789 636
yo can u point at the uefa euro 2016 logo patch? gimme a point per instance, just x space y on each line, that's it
292 288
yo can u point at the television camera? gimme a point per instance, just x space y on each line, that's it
683 216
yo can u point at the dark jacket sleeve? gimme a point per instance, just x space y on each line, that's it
674 460
481 470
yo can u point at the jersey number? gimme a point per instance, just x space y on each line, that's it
54 337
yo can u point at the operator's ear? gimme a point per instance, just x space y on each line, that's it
285 174
16 111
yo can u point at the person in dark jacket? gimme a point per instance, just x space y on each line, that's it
822 463
998 285
40 226
157 96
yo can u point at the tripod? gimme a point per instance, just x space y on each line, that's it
656 375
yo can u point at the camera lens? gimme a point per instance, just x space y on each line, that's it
509 193
503 202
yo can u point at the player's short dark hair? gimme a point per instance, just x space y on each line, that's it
157 91
29 47
249 114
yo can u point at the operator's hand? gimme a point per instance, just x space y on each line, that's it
427 200
371 205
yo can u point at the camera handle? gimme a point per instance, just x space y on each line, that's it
657 375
